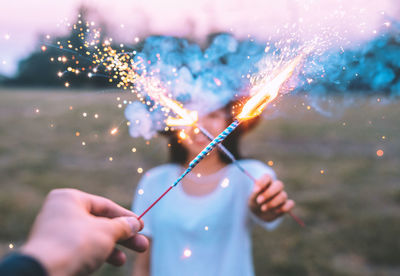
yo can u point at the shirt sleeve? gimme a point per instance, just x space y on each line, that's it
258 169
21 265
141 201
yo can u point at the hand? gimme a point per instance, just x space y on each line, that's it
76 232
268 200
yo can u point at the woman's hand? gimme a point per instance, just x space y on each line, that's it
268 200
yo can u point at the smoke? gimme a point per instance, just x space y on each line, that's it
207 79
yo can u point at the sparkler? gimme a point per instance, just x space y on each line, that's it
190 118
118 62
266 91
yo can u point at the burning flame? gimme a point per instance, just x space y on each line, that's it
267 90
186 117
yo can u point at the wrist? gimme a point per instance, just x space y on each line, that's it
51 257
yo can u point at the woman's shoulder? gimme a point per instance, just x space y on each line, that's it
256 167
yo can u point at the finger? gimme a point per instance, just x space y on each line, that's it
137 243
122 228
260 186
276 202
289 205
284 208
100 206
275 188
117 257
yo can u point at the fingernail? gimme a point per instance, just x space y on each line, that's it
134 224
260 199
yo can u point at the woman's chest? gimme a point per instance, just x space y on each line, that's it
224 208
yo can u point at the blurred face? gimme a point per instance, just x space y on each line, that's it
214 122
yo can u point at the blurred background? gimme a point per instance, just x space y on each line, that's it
335 142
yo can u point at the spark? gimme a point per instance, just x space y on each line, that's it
187 253
84 114
267 90
379 153
140 170
225 183
270 163
133 149
11 246
140 191
217 81
114 131
182 134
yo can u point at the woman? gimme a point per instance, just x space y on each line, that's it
203 226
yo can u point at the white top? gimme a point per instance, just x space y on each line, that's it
200 235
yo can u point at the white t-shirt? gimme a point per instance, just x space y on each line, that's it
200 235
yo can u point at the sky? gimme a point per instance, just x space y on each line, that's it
21 21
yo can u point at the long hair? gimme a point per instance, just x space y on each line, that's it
178 153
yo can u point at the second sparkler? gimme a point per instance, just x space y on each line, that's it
264 92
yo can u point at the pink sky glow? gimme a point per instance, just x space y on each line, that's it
22 20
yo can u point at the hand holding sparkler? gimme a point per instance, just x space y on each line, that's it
269 200
256 182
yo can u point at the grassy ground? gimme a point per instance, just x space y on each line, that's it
352 209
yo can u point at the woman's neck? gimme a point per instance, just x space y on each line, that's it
209 165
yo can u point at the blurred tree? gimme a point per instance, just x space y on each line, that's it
54 56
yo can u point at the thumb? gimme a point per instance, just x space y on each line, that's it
125 227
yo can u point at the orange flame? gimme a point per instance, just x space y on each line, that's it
266 91
186 117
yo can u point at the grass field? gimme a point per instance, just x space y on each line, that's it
352 209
